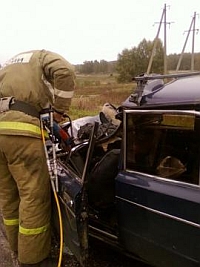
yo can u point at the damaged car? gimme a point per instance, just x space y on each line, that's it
131 179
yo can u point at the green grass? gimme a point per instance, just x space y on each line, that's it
93 91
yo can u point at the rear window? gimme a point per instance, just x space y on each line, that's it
165 144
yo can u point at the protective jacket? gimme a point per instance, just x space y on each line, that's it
35 79
40 78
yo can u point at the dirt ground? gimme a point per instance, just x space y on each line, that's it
100 255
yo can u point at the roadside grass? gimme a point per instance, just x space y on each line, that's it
93 91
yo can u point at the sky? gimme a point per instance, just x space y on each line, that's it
88 30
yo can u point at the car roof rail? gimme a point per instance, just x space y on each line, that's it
146 77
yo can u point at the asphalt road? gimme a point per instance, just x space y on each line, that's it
101 255
7 258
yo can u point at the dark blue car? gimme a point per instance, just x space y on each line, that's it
135 185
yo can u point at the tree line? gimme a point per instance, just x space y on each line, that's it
134 61
102 66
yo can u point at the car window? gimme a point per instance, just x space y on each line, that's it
163 144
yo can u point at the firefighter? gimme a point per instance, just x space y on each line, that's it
29 83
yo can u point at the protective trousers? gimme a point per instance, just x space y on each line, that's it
25 198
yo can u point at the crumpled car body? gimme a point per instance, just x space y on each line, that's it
137 188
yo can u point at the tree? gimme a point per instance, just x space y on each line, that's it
87 67
172 61
134 62
95 66
158 60
103 65
126 65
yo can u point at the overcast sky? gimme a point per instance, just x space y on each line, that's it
84 30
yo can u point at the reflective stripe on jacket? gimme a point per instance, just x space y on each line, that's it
9 127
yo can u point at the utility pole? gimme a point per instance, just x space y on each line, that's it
193 41
165 42
193 30
163 20
155 43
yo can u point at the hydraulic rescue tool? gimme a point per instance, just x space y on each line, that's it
56 134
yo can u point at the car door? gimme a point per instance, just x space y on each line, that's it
159 211
73 203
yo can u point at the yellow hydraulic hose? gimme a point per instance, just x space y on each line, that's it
57 201
60 224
